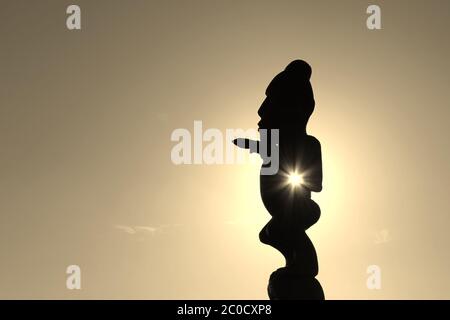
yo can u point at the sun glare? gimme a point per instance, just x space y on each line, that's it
295 179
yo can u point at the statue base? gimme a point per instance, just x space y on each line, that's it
287 284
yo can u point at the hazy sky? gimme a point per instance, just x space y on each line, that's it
85 122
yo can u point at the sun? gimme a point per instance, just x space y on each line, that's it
295 179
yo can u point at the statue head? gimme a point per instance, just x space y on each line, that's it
289 99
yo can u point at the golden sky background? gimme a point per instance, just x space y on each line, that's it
85 123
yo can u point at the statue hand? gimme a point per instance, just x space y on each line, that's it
244 143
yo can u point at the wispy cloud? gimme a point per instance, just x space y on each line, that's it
151 230
126 229
143 230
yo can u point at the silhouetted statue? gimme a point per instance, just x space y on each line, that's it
287 194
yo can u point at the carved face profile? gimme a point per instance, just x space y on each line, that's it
289 99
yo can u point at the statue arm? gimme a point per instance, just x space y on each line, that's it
314 176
